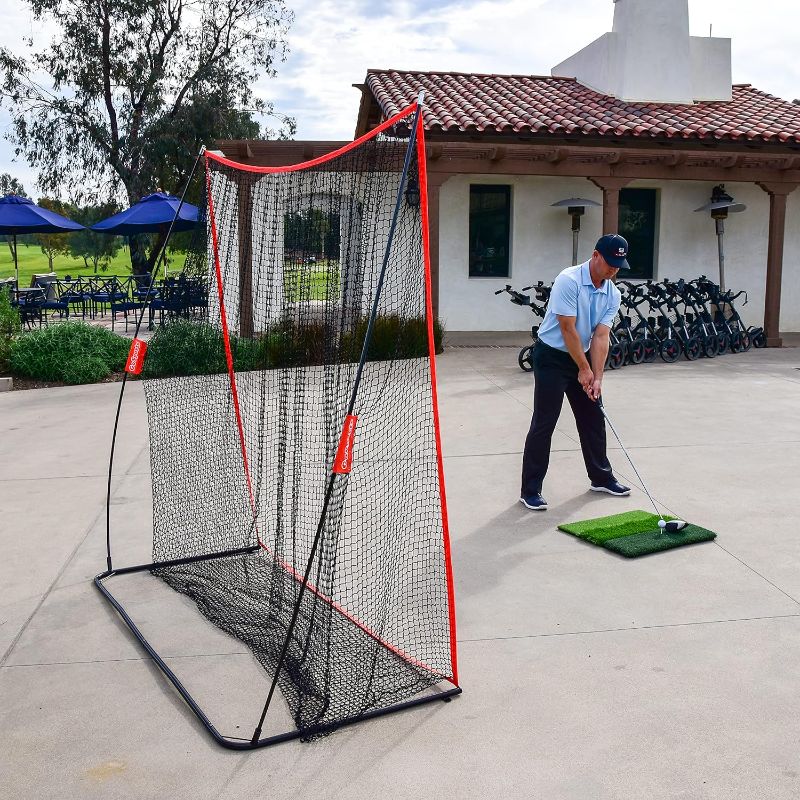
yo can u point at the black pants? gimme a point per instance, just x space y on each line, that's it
556 375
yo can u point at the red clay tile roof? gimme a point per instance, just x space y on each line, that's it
531 104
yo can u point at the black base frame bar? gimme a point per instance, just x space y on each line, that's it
228 742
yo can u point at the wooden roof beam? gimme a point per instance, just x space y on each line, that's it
790 162
557 155
434 151
675 159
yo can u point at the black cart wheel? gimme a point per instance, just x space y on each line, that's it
525 359
616 356
724 343
758 337
692 348
636 351
745 342
651 347
710 345
670 351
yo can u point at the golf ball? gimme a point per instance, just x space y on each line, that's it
662 523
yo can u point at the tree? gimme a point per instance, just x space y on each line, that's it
10 185
312 231
96 249
133 85
53 244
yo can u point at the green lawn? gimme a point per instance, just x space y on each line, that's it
32 261
301 281
317 281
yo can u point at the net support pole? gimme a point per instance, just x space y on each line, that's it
410 151
426 251
153 274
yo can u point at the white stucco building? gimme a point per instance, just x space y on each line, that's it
643 121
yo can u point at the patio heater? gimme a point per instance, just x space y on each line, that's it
720 205
576 207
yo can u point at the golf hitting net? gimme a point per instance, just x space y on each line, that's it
298 495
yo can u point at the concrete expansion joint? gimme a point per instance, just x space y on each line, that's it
631 628
121 660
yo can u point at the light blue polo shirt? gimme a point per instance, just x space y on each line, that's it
574 295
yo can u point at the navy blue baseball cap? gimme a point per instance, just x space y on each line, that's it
614 249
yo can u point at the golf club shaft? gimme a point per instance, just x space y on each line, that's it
627 455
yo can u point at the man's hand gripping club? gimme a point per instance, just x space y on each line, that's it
590 375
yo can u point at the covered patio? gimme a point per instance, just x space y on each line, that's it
556 132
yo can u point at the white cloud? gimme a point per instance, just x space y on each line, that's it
332 44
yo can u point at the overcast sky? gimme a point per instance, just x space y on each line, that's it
333 42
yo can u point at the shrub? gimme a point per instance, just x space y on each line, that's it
392 337
190 348
438 336
88 370
9 328
71 352
299 345
276 350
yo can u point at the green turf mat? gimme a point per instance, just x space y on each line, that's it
656 541
600 530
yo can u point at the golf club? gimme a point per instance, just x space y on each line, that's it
673 525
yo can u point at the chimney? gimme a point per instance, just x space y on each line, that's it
649 57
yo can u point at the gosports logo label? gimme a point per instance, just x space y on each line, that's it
344 453
135 360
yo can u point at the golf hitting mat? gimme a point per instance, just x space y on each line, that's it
635 533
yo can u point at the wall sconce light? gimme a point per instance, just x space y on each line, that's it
412 192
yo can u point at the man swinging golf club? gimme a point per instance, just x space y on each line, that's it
569 359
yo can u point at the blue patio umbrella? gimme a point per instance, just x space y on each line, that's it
19 215
152 214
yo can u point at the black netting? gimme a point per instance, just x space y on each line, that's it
300 255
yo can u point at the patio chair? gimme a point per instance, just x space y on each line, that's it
77 292
139 288
30 303
54 299
196 296
106 291
171 301
124 301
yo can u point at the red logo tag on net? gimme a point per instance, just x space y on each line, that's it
344 453
135 360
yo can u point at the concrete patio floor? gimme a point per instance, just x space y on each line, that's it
585 675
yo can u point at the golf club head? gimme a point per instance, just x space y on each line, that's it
673 526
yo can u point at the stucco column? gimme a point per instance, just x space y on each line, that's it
435 181
610 188
777 224
244 204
